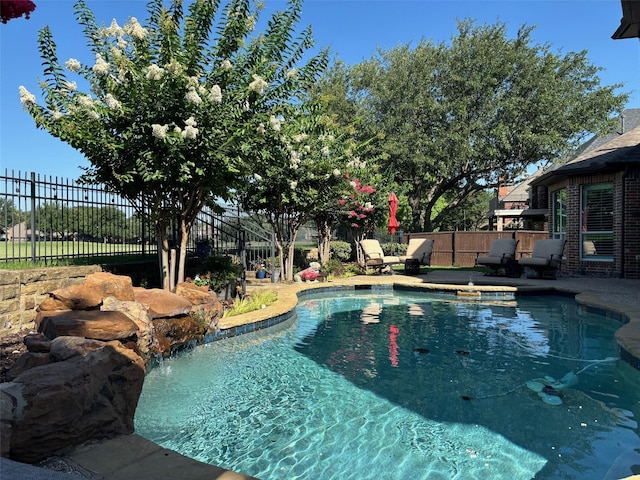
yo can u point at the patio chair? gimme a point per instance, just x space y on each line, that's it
418 253
374 256
546 257
501 256
419 249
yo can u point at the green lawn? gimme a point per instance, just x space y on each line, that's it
15 255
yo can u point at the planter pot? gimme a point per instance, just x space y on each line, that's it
275 277
261 274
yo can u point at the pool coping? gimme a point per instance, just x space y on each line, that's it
602 302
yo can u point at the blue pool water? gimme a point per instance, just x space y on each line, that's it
405 385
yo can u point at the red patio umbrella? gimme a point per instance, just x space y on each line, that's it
393 209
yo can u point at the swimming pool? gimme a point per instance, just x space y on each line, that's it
398 385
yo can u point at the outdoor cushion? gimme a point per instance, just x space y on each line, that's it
546 257
374 255
419 249
502 250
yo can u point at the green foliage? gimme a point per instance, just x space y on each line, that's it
173 105
255 301
394 249
351 270
333 267
459 117
218 272
340 250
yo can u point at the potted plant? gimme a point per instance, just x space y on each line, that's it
261 271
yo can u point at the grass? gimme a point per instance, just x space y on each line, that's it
255 301
16 255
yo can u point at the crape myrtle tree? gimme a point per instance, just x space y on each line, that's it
362 208
347 113
463 116
166 119
297 164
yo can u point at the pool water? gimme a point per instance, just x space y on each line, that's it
405 385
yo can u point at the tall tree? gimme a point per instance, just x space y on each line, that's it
296 167
348 114
168 115
459 117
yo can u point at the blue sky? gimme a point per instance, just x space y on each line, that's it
353 29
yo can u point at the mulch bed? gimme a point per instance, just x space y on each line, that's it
11 347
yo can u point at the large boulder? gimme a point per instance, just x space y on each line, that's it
90 294
176 333
92 324
139 314
162 303
64 404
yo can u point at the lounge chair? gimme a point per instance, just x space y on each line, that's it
418 249
546 257
374 256
501 256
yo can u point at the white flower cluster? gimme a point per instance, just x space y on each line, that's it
293 73
85 101
356 163
293 184
260 129
275 123
301 137
294 160
71 86
112 102
257 177
174 67
73 65
114 29
325 151
193 97
159 131
258 85
336 173
101 67
26 98
56 114
215 94
154 72
134 29
226 65
190 131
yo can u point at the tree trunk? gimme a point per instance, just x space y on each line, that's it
324 241
163 254
184 238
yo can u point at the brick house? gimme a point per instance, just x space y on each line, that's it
594 203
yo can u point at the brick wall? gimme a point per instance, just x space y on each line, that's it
626 212
21 291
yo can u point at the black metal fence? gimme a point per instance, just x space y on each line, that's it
43 218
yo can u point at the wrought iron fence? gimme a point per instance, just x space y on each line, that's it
43 218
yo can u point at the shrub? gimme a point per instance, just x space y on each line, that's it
255 301
394 249
218 271
340 250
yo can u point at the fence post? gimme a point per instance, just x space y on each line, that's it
33 217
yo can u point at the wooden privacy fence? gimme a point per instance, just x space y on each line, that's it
461 249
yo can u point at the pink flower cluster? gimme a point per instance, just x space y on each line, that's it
10 9
358 211
309 275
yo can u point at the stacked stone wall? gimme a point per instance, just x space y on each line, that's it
21 291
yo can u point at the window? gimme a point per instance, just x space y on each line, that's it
596 220
559 213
